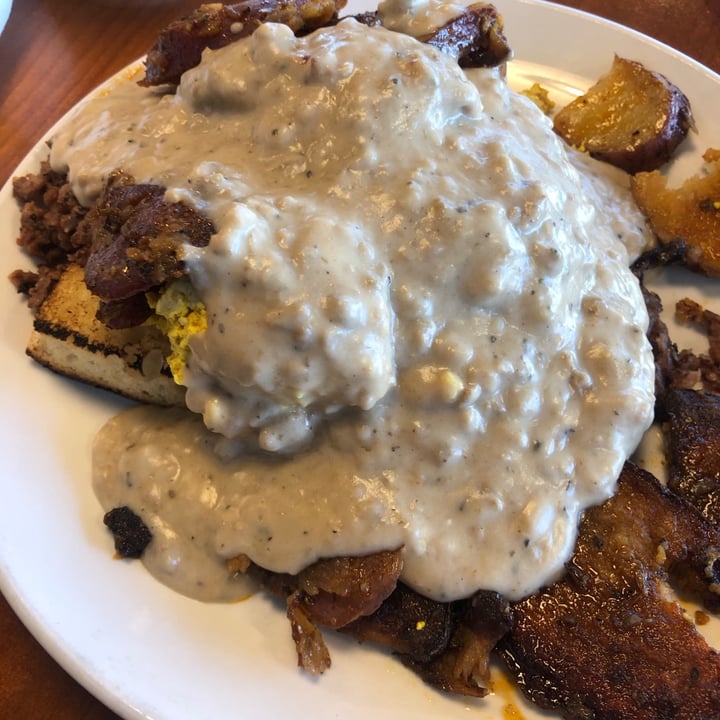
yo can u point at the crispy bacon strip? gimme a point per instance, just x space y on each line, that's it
665 352
606 642
180 45
692 435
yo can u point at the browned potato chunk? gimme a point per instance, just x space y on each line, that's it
691 211
632 118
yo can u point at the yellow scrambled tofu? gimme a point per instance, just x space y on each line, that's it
180 314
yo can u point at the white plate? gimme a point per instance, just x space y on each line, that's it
5 6
145 651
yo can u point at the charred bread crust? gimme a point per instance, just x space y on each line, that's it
68 339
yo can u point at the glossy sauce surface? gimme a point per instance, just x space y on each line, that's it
416 299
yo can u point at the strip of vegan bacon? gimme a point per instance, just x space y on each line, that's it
608 641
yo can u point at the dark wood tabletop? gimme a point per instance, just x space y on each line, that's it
52 53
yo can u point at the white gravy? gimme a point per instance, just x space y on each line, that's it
422 326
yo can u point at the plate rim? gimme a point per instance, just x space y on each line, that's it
112 695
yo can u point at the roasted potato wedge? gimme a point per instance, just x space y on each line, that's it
632 118
690 212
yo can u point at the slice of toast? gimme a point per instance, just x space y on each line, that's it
68 339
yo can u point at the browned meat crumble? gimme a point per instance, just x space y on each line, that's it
49 219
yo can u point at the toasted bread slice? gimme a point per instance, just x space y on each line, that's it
68 339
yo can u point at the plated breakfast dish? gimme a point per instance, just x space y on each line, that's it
392 430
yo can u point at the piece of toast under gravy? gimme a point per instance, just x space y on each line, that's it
68 339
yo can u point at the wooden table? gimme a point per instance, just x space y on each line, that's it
51 54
